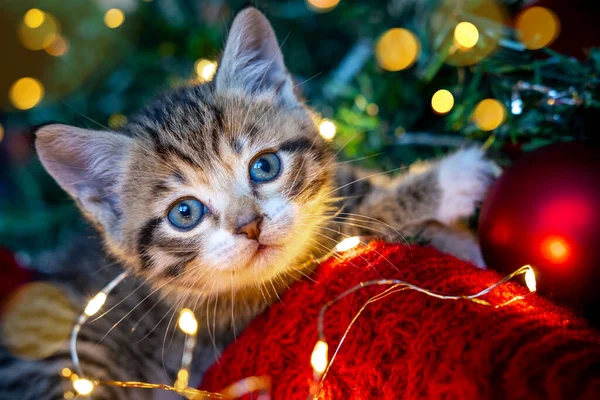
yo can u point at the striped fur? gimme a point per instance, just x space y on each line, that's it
198 142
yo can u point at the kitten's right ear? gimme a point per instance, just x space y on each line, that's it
89 165
252 62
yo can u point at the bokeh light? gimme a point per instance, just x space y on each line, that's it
114 18
466 35
35 33
537 27
397 49
442 101
34 18
372 109
1 133
58 47
83 386
205 70
187 322
319 357
37 321
322 5
26 93
556 249
489 114
327 129
116 121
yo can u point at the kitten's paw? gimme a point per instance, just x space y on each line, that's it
464 178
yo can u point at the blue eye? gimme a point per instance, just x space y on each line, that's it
186 214
265 168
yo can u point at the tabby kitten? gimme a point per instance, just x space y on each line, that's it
214 197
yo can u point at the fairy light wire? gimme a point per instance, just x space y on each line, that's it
85 316
397 286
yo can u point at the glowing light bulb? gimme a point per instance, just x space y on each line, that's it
319 357
530 279
322 5
397 49
182 379
466 35
442 101
489 114
34 18
95 304
26 93
537 27
83 386
205 70
348 244
187 322
114 18
327 129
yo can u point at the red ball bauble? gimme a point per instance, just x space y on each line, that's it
545 211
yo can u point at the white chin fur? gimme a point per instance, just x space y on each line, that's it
464 178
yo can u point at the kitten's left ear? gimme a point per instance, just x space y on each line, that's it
252 62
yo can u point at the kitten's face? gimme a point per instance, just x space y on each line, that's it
212 188
240 192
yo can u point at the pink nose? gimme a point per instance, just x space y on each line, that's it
250 229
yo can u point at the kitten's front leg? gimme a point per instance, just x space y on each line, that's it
425 203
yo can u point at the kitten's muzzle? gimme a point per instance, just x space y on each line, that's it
250 228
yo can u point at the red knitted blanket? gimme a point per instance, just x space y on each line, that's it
412 346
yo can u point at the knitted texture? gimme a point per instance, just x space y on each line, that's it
412 346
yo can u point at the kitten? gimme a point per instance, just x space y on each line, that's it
213 197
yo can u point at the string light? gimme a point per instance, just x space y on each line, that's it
347 244
319 354
95 304
327 129
322 5
537 27
397 49
442 101
205 70
319 360
34 18
187 322
489 114
466 35
114 18
26 93
83 386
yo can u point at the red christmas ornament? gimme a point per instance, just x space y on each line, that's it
545 211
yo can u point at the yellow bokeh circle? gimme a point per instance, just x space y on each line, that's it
35 33
466 35
397 49
537 27
322 5
114 18
442 101
34 18
26 93
489 114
